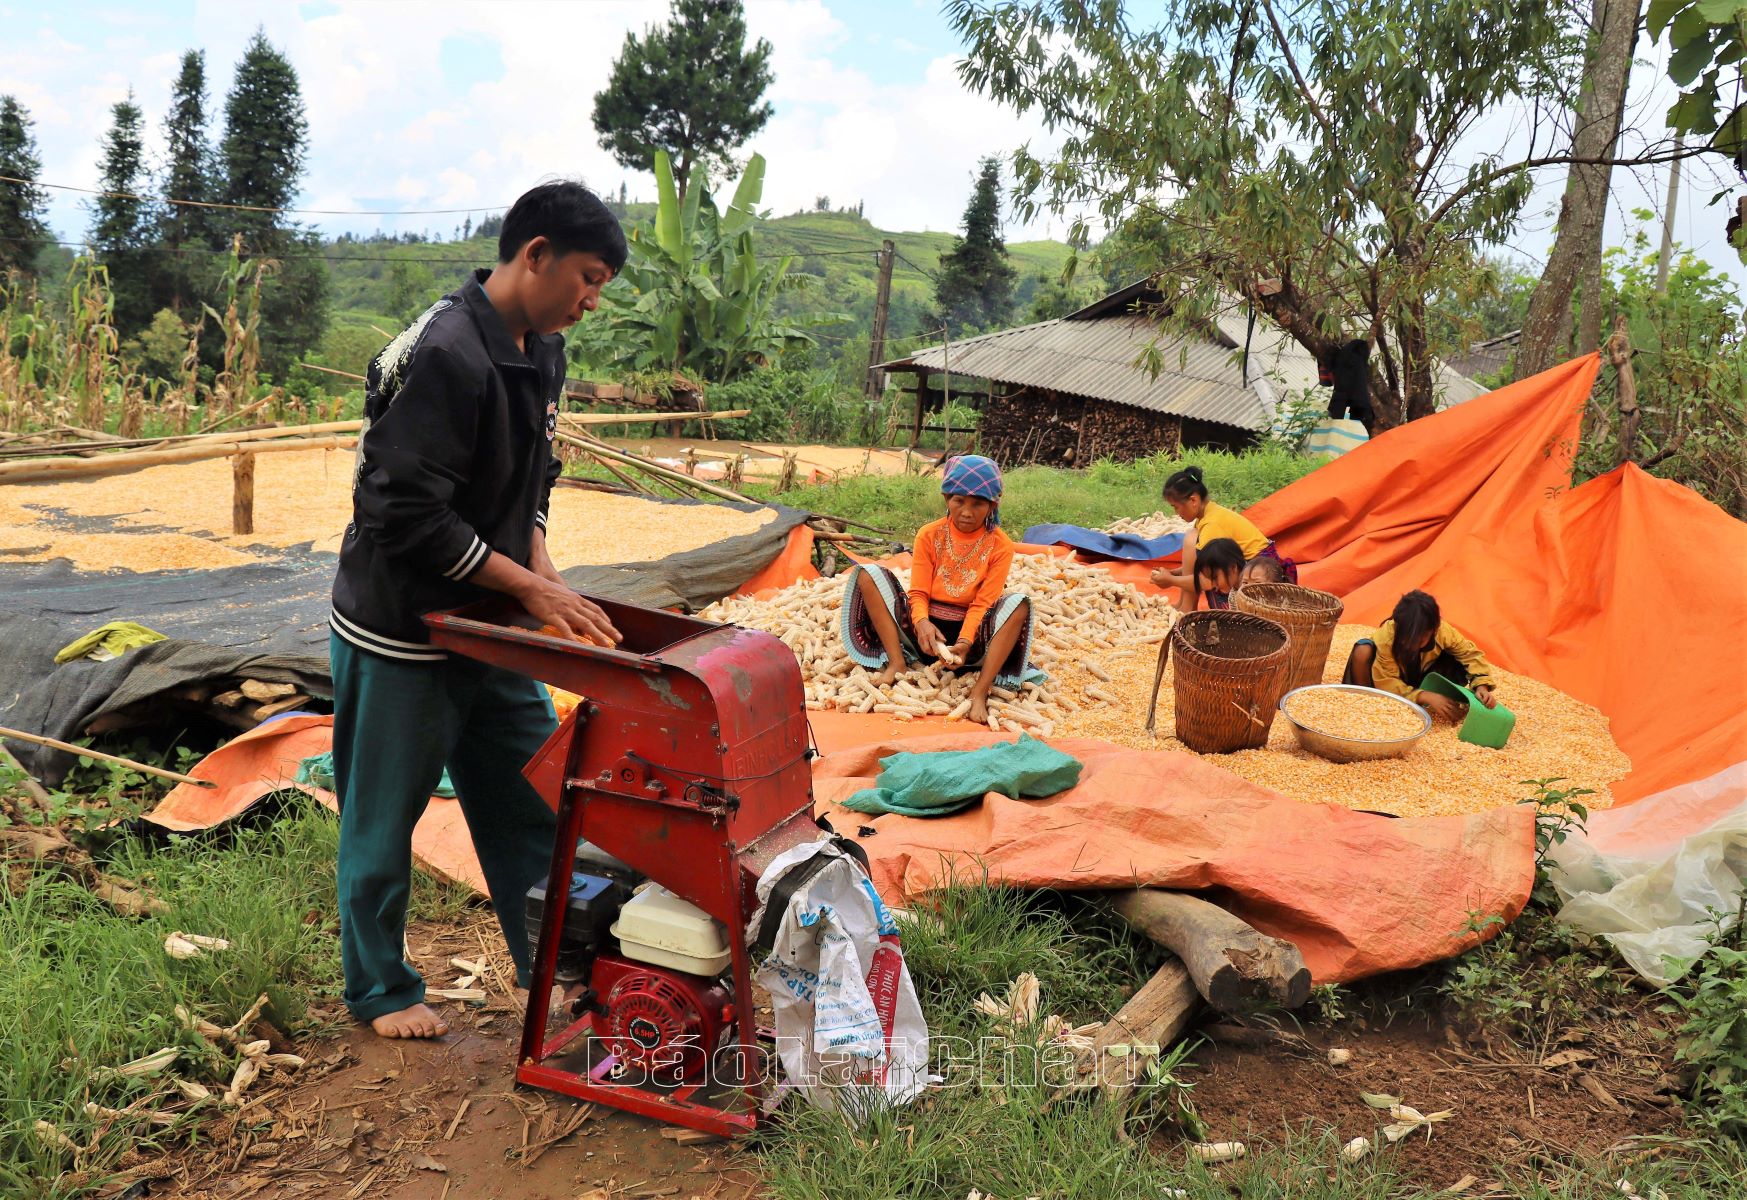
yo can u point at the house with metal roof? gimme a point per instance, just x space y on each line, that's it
1083 387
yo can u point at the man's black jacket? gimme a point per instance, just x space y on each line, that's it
455 461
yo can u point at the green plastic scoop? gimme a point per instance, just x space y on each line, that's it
1483 726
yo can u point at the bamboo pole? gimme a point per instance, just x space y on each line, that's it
601 450
44 469
266 433
647 418
18 735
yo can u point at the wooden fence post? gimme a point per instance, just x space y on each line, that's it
1619 353
243 493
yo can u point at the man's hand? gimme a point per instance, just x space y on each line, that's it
540 562
558 605
1483 693
550 601
1441 706
928 638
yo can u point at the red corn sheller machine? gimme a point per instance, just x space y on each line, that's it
682 773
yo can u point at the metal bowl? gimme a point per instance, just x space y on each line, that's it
1342 750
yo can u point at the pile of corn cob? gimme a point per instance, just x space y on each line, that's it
1082 620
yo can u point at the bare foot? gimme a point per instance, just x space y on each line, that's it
979 713
417 1021
888 675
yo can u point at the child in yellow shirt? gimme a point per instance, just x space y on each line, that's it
1186 493
1411 644
957 610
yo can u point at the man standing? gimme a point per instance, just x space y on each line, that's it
453 486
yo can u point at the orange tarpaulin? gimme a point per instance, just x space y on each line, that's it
1626 592
1358 894
265 760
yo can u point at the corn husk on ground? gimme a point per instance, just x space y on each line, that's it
1082 619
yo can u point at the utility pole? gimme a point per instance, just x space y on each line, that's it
875 384
1667 252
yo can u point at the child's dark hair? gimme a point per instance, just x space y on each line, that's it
570 217
1185 483
1219 555
1266 570
1416 620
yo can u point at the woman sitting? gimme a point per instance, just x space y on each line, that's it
957 610
1186 493
1413 643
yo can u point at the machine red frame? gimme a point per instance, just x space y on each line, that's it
688 760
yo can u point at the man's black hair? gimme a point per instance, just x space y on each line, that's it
570 217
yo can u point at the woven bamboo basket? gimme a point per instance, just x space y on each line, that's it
1309 618
1231 672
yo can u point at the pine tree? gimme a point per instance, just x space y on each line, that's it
262 154
188 158
975 287
121 219
690 88
23 228
261 164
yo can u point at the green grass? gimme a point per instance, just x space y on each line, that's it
85 989
1094 497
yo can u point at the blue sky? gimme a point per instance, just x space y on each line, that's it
460 104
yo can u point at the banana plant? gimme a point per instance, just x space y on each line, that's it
694 296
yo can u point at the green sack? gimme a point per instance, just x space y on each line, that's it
318 771
942 782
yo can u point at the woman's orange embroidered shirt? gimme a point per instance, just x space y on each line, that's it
967 571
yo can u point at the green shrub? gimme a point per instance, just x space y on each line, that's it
788 405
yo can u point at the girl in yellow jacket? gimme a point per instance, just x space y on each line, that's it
1186 493
1413 643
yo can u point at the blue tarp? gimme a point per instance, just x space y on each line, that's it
1110 545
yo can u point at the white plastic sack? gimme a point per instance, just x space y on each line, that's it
849 1028
1647 877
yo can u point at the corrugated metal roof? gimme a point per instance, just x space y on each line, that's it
1095 351
1098 358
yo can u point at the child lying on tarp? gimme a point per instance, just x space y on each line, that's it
1413 643
957 610
1186 493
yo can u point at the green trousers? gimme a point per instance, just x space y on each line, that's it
396 726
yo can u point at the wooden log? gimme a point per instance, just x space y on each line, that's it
592 419
43 469
243 494
1156 1015
18 735
1235 968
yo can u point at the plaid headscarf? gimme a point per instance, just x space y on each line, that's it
974 475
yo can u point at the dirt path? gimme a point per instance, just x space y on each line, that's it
371 1119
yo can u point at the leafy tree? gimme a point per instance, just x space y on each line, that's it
1057 297
695 297
1309 153
187 175
1691 371
262 159
159 348
412 289
975 288
22 226
122 220
691 89
1709 43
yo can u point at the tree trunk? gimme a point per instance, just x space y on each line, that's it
1235 968
1575 262
1416 359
